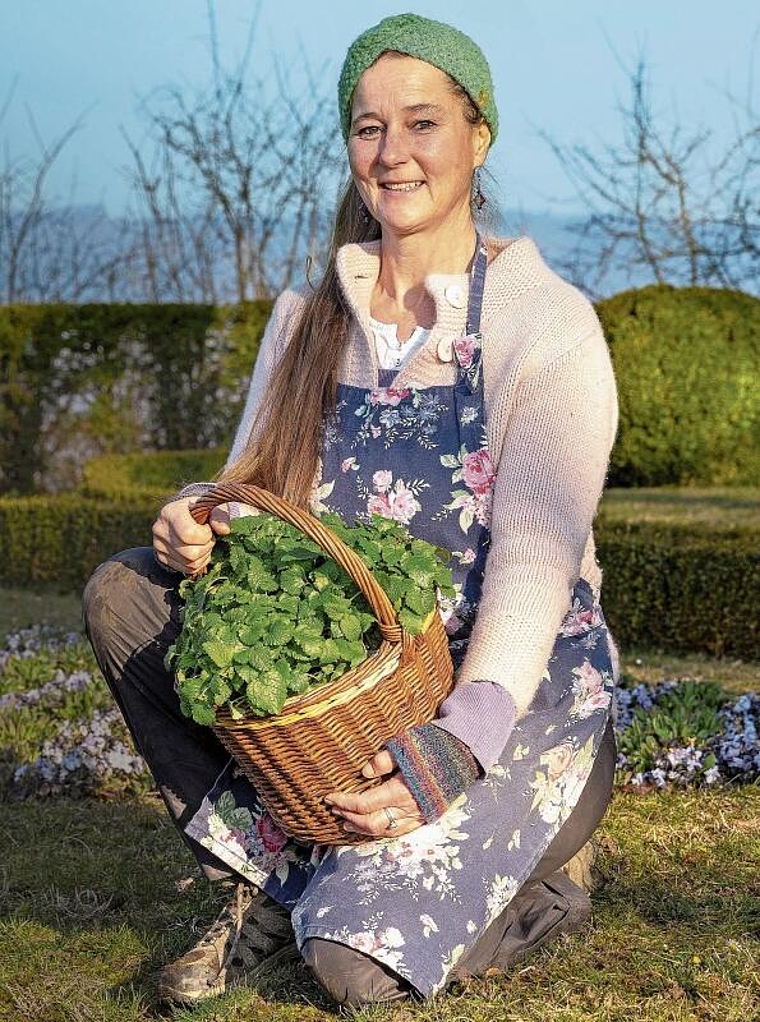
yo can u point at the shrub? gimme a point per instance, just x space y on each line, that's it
684 588
78 381
686 362
59 540
681 588
153 476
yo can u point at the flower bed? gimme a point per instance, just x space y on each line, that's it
60 733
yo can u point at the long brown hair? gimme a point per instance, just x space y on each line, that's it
283 453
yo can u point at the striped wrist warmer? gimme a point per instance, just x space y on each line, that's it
436 766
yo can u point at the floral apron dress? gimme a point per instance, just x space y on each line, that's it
418 902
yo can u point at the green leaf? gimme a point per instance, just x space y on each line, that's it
413 623
259 579
420 601
221 653
203 714
351 626
266 695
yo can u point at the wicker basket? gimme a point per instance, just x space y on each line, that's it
320 741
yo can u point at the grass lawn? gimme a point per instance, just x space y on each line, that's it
95 895
715 508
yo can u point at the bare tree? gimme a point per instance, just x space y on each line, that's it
49 251
235 190
662 203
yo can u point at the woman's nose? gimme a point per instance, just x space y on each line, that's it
394 148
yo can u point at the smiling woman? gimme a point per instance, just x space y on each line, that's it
453 382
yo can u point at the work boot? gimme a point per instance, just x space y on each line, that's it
538 913
581 869
251 931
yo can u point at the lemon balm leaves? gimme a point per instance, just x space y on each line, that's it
275 615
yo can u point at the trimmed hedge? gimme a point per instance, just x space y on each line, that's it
685 589
682 589
60 540
687 364
149 476
81 380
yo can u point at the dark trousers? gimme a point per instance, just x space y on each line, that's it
131 614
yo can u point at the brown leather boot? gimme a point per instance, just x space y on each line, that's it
580 868
537 914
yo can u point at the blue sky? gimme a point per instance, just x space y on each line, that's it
556 66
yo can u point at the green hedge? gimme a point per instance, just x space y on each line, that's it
78 381
687 364
149 476
60 540
682 588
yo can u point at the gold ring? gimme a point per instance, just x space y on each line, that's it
392 821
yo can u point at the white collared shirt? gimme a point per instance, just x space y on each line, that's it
391 352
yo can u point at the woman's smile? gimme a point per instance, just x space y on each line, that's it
401 186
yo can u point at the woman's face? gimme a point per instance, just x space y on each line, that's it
411 150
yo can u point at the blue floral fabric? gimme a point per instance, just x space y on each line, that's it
418 902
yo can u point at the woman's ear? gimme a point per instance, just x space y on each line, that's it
482 143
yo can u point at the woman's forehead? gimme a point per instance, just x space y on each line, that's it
399 79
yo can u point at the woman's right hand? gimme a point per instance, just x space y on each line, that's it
179 541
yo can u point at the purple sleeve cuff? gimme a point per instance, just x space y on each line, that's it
481 714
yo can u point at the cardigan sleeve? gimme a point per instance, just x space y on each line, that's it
272 345
552 466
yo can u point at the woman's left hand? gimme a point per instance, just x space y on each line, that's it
372 811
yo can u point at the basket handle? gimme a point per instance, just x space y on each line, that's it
325 538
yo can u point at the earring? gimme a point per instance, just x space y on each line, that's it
479 198
364 212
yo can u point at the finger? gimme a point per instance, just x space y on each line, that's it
382 763
189 554
376 824
187 532
390 793
187 565
219 520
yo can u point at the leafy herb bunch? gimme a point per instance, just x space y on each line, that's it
275 615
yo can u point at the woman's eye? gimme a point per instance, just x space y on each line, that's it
424 125
368 131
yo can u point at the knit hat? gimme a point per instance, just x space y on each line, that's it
438 44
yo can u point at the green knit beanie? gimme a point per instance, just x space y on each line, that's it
432 41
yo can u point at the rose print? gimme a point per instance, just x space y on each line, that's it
349 463
589 691
579 620
558 759
272 838
465 349
477 472
387 396
394 500
382 480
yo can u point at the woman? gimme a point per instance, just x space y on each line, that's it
458 385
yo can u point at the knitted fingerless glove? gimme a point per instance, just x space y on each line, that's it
436 766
